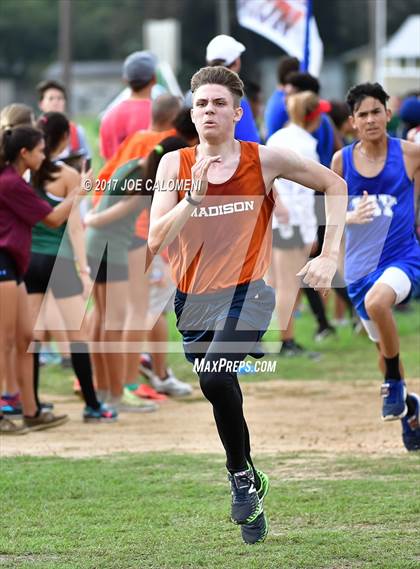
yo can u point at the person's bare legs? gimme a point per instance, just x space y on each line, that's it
8 319
286 263
97 326
73 312
11 380
25 359
138 301
70 309
115 317
54 326
159 333
378 303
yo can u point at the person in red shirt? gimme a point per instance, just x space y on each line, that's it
135 113
218 229
22 148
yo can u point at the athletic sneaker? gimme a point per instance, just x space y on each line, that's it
291 349
411 426
11 411
323 333
146 365
14 410
256 531
340 322
45 420
246 505
7 428
171 385
145 391
7 399
104 414
131 403
394 394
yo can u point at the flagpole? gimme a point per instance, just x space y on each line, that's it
305 62
223 17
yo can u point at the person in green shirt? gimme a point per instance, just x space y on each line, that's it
58 265
109 235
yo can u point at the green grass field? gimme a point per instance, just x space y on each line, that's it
158 511
170 511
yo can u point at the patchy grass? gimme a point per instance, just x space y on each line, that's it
163 511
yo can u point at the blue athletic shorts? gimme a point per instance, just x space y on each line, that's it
357 291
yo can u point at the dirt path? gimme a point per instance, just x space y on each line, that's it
283 416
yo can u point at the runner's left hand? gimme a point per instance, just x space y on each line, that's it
318 273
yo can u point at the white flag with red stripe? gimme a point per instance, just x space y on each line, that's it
284 22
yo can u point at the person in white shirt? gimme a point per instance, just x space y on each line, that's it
295 223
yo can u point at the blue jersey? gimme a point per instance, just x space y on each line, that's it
275 115
389 239
246 129
325 137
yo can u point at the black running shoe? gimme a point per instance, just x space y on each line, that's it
256 531
324 332
246 505
291 349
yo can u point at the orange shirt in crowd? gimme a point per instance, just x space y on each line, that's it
138 145
227 239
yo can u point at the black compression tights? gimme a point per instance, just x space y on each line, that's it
224 393
80 360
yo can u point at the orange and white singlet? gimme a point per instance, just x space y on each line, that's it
227 240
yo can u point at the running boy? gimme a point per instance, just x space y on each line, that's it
382 261
219 234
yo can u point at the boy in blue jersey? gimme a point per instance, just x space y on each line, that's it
382 263
276 115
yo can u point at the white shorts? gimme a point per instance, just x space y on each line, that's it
400 284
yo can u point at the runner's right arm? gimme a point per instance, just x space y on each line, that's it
168 215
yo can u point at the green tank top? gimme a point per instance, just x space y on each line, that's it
116 236
51 240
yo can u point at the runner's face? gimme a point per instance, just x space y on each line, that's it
35 157
370 119
53 101
214 113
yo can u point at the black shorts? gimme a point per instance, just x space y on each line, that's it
58 274
103 272
8 270
295 240
136 243
198 315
